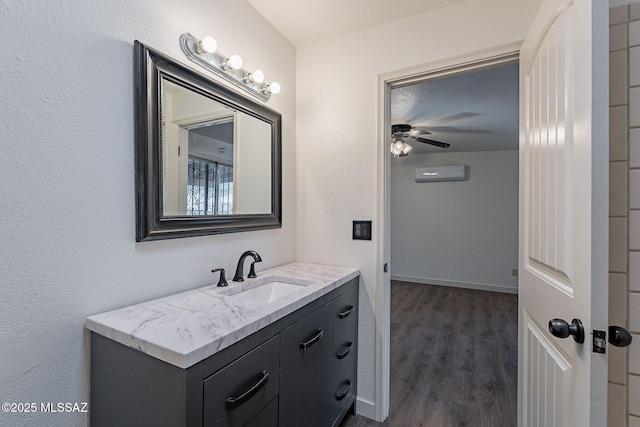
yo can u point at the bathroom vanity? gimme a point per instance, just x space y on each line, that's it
277 350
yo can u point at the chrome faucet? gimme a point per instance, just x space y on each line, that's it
252 272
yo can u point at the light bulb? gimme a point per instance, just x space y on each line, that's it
256 77
207 45
273 88
396 147
234 61
406 148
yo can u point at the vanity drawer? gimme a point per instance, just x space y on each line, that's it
345 317
343 358
343 391
239 391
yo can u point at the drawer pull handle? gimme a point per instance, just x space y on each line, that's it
347 311
344 390
234 402
343 354
305 345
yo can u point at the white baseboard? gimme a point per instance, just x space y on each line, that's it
365 408
467 285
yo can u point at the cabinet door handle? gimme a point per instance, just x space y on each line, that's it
344 390
346 312
305 345
343 354
234 402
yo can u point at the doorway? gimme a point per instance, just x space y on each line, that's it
454 246
491 58
459 234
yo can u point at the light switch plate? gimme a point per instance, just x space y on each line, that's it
361 230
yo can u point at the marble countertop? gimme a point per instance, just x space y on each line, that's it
188 327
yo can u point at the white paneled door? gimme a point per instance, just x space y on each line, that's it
563 213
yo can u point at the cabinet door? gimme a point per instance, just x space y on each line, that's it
245 389
305 362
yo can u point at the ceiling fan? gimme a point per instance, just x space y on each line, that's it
399 148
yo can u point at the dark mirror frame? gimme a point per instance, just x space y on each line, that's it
150 67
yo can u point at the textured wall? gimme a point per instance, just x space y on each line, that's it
337 133
67 180
462 232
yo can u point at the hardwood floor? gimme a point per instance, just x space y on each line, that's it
454 355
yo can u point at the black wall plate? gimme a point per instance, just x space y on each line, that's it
361 230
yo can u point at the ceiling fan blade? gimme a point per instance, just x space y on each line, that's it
453 129
417 130
451 118
432 142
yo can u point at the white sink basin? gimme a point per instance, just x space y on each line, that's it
269 291
266 289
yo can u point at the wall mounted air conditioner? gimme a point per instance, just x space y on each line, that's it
442 173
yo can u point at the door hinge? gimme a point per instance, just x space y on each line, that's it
599 341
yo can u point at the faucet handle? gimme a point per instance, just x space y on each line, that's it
252 271
223 279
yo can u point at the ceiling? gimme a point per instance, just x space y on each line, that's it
475 111
303 22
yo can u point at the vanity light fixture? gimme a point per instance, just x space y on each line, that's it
205 53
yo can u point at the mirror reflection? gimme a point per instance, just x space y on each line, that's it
215 160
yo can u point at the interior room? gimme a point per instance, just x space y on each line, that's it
473 219
108 281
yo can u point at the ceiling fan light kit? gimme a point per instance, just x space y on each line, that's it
399 148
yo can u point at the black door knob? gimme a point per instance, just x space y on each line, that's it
561 329
619 336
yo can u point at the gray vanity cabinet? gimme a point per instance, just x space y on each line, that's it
297 371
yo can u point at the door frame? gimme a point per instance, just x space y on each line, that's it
474 60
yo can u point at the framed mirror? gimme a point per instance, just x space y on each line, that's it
208 159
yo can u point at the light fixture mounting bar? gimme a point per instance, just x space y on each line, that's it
214 61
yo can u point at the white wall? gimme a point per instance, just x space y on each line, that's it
462 233
337 134
67 180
